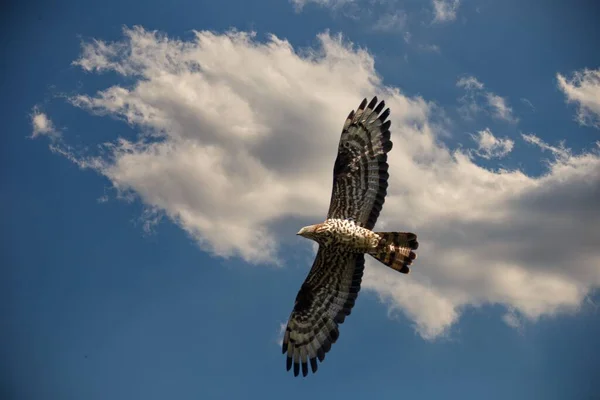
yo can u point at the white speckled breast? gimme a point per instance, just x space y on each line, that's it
353 237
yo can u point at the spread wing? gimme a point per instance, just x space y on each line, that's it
360 172
325 299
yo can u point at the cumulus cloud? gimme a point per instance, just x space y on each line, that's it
445 10
42 125
236 144
476 100
489 146
583 89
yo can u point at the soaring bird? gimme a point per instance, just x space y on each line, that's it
360 181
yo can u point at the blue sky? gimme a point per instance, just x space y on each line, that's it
163 265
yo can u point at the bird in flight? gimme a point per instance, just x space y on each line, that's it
360 181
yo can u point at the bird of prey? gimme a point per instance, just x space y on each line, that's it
360 181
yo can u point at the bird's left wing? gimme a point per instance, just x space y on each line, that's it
324 300
360 172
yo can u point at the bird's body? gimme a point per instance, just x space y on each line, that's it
332 285
343 233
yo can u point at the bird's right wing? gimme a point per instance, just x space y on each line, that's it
324 300
360 172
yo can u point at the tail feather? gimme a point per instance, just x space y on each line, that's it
395 249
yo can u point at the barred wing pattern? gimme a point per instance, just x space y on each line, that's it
324 300
331 288
360 173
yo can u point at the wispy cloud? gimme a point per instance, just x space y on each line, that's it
476 100
280 333
374 16
204 110
430 48
391 22
559 152
528 103
445 10
469 83
42 125
583 89
498 106
512 319
334 4
489 146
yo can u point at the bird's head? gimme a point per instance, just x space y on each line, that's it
309 232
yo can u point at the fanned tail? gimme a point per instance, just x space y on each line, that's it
395 249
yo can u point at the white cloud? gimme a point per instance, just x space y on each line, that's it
445 10
528 103
499 107
237 145
102 199
489 146
469 83
513 320
584 90
476 100
560 152
280 332
394 21
299 4
430 48
42 125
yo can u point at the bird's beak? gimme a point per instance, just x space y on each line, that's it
306 229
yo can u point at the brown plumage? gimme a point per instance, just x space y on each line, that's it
360 181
